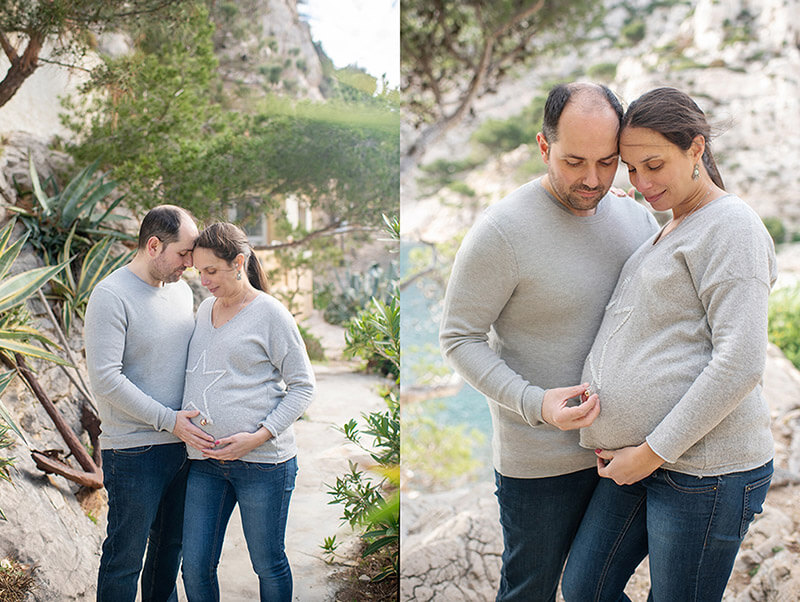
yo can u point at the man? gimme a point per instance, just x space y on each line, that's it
137 329
526 296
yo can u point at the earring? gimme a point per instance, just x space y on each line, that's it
696 172
238 274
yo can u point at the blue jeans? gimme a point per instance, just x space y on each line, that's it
691 527
262 492
146 487
539 519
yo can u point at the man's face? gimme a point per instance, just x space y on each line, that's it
174 258
582 162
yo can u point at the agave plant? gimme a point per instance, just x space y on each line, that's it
75 288
15 333
71 210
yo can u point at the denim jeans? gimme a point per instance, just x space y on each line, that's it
691 527
146 487
262 492
539 519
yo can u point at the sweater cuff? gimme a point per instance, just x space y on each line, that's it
270 427
661 449
167 422
532 405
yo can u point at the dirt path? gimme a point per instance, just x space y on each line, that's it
341 394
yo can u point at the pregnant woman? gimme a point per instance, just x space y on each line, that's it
683 437
250 378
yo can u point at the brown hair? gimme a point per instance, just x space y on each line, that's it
163 222
226 241
677 117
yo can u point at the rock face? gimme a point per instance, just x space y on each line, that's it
276 54
452 543
52 524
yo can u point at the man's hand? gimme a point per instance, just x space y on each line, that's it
190 434
238 445
628 465
555 410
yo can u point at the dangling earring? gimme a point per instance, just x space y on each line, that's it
238 274
696 172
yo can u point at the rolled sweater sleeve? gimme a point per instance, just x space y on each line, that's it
287 352
733 284
104 331
484 276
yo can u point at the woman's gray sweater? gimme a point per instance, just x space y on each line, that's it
680 354
252 371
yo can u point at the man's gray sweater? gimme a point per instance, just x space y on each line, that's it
137 338
250 372
525 299
682 347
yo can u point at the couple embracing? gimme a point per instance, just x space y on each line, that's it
196 411
665 449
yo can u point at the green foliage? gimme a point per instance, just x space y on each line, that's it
73 213
353 291
443 172
437 454
462 188
375 507
69 28
634 31
784 322
776 229
314 347
372 334
170 136
442 42
602 71
96 264
16 335
503 135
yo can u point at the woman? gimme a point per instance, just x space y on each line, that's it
250 378
683 437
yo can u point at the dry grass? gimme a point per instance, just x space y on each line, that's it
16 580
357 585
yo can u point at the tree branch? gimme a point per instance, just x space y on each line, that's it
92 475
334 228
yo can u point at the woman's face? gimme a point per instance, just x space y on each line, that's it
216 274
658 169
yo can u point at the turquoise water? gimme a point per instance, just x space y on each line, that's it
419 331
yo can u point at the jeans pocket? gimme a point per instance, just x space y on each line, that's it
754 495
686 483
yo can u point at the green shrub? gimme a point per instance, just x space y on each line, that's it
503 135
634 31
374 507
602 71
775 228
353 292
784 322
316 352
462 188
442 172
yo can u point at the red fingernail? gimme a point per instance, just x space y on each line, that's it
216 442
597 451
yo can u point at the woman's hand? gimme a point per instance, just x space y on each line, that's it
627 465
238 445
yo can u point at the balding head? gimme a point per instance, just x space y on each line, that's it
582 97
